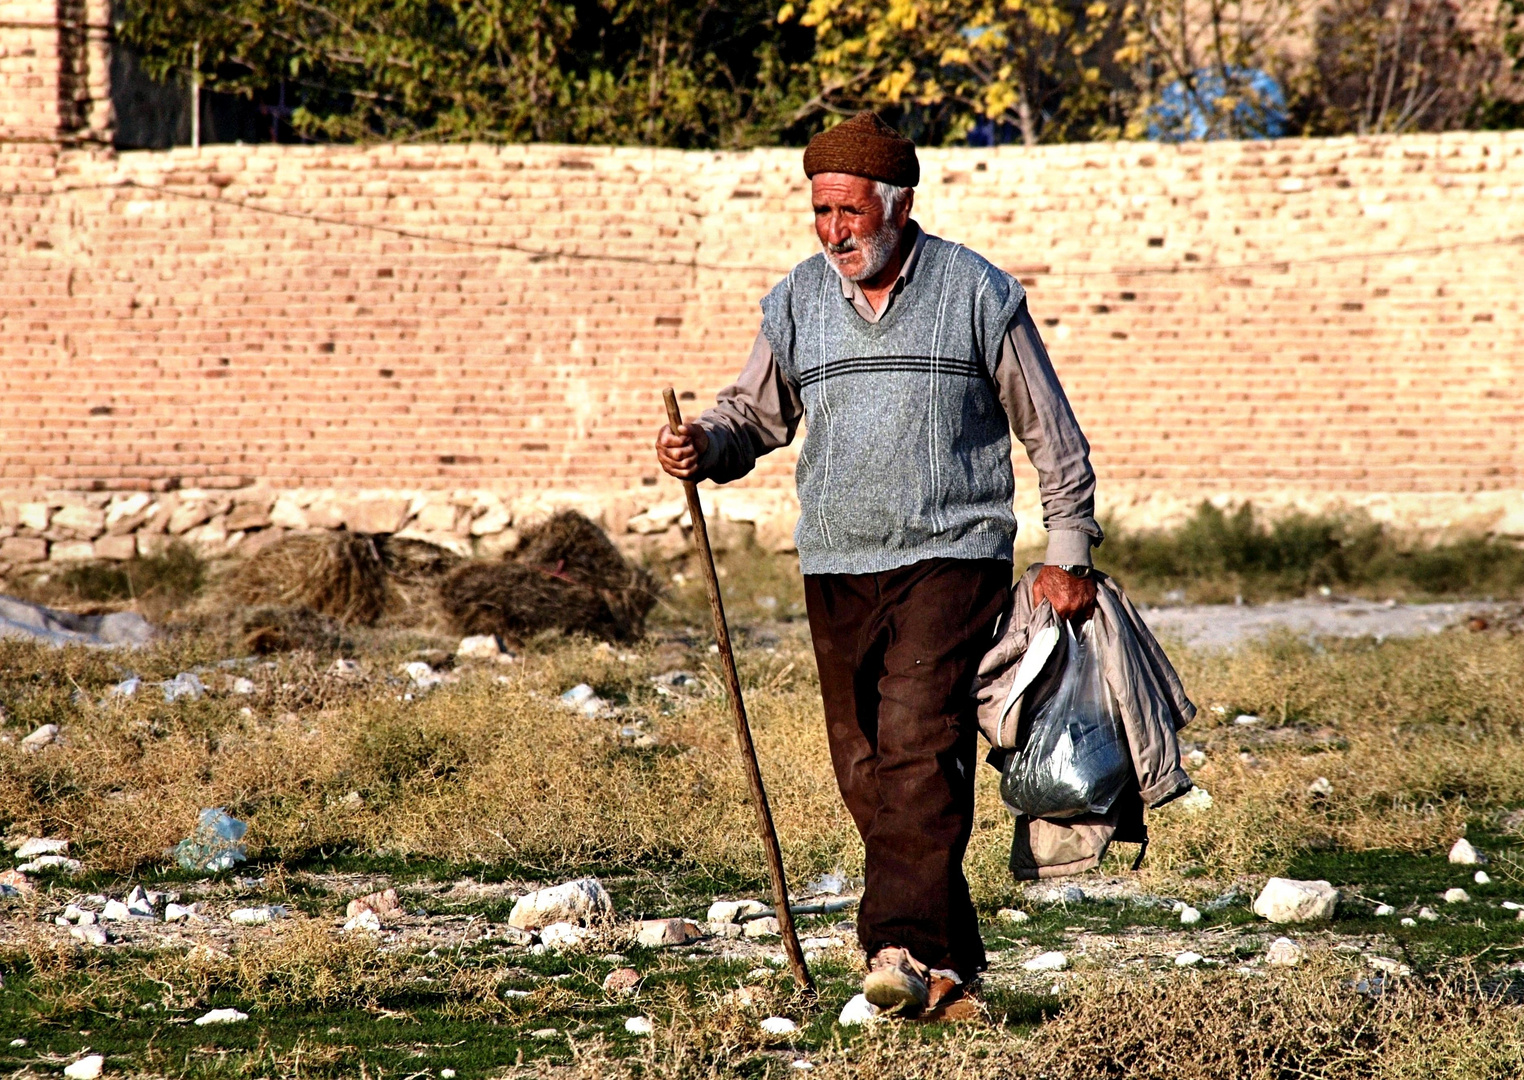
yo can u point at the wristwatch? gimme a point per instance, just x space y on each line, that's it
1079 571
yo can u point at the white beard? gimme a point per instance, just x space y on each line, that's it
877 249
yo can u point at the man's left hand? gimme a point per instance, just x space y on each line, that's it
1072 597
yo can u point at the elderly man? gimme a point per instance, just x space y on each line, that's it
912 359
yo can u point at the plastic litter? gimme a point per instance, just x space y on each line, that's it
215 844
1076 759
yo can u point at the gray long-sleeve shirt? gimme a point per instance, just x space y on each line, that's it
761 412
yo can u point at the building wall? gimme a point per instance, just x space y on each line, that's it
476 333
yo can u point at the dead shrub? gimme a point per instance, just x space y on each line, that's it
274 630
339 574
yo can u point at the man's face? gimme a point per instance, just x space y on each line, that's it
858 237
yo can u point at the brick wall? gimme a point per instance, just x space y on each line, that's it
477 333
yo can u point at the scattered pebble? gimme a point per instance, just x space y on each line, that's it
622 981
1457 896
1408 922
1428 914
1072 894
857 1011
257 916
344 668
184 685
1320 788
1462 853
1011 915
1389 966
174 913
1481 877
550 1033
802 1065
86 1068
243 687
483 647
1195 759
447 1074
1245 719
46 735
583 699
1283 952
1383 910
51 862
1048 961
1189 916
365 920
1509 905
639 1025
90 934
33 846
1195 800
18 1043
779 1025
222 1016
1188 959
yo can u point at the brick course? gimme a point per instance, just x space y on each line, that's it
1300 322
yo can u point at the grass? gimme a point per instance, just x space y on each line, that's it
488 777
1216 555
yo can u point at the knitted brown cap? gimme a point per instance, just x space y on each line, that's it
864 146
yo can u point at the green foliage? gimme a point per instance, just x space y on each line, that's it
645 71
1300 552
946 64
176 575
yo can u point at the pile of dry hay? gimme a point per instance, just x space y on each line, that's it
567 575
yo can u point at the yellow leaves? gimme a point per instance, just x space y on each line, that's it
892 86
785 13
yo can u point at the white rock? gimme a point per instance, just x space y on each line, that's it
857 1011
90 935
1195 800
344 669
36 845
1283 952
481 647
1463 854
802 1065
729 911
1428 914
1320 787
222 1016
447 1074
767 926
139 903
1383 910
423 676
243 686
86 1068
1286 901
1481 877
115 911
1408 922
174 913
18 1042
1048 961
639 1025
1011 915
564 936
126 688
1072 894
579 901
1189 916
1245 719
660 933
43 736
257 916
1388 965
1519 917
51 862
779 1025
1188 959
545 1033
1195 759
1457 896
184 685
728 930
365 920
1509 905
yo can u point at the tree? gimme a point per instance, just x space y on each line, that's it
658 72
947 65
1394 66
1207 68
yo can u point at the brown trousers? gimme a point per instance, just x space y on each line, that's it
897 653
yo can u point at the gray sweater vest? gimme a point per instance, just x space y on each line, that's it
907 454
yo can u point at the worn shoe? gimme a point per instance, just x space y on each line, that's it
897 982
953 1001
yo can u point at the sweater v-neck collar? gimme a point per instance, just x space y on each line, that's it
853 293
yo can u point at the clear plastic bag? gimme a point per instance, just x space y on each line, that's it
1076 760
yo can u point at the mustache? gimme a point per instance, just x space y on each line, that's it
849 244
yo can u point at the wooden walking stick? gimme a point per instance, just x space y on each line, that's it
743 729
